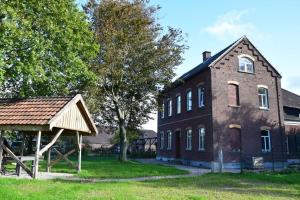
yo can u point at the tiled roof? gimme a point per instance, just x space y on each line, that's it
30 111
290 99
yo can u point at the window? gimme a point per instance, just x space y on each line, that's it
200 97
265 141
233 95
178 103
189 139
189 100
162 140
263 98
162 113
246 65
169 107
201 135
169 146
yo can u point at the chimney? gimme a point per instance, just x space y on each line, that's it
206 55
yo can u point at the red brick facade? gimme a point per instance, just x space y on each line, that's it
231 115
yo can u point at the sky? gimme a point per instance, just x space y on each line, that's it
272 26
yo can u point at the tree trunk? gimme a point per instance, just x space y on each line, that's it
123 142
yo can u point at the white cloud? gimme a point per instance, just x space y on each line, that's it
232 24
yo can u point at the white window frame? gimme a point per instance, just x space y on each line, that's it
201 139
263 98
169 138
178 104
169 107
266 139
189 100
189 135
200 97
162 113
246 62
162 140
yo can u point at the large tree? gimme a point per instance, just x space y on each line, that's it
137 58
45 48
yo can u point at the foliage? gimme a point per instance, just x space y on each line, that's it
210 186
132 134
137 58
45 48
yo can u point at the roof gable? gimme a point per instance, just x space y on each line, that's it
218 56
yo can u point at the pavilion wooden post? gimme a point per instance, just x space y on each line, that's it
79 143
1 151
36 161
23 144
48 160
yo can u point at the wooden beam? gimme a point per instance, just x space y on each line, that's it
23 144
51 143
48 167
29 172
79 143
63 156
1 151
36 161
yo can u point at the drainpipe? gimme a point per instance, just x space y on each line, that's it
280 120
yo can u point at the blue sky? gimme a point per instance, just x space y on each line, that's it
272 26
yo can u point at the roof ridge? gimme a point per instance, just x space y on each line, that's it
37 97
209 60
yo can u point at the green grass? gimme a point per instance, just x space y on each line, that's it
264 186
110 167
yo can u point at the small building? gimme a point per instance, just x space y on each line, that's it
146 142
291 108
102 140
45 117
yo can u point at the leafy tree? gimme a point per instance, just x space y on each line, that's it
137 57
45 48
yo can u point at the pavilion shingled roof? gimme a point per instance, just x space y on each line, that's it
32 111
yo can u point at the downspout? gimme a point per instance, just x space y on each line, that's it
280 120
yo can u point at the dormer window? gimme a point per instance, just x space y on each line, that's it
246 65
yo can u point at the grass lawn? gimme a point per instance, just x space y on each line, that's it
110 167
210 186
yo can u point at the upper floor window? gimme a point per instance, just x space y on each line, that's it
178 104
233 94
201 135
263 97
189 139
162 113
246 65
201 97
169 146
169 107
162 140
189 100
265 141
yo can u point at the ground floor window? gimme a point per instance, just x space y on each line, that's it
189 139
162 140
266 141
201 134
169 140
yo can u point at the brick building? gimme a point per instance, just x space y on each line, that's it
224 111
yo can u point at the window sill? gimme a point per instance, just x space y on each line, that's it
168 149
266 152
201 107
189 149
263 108
188 110
246 72
234 106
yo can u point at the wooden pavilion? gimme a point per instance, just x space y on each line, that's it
46 116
